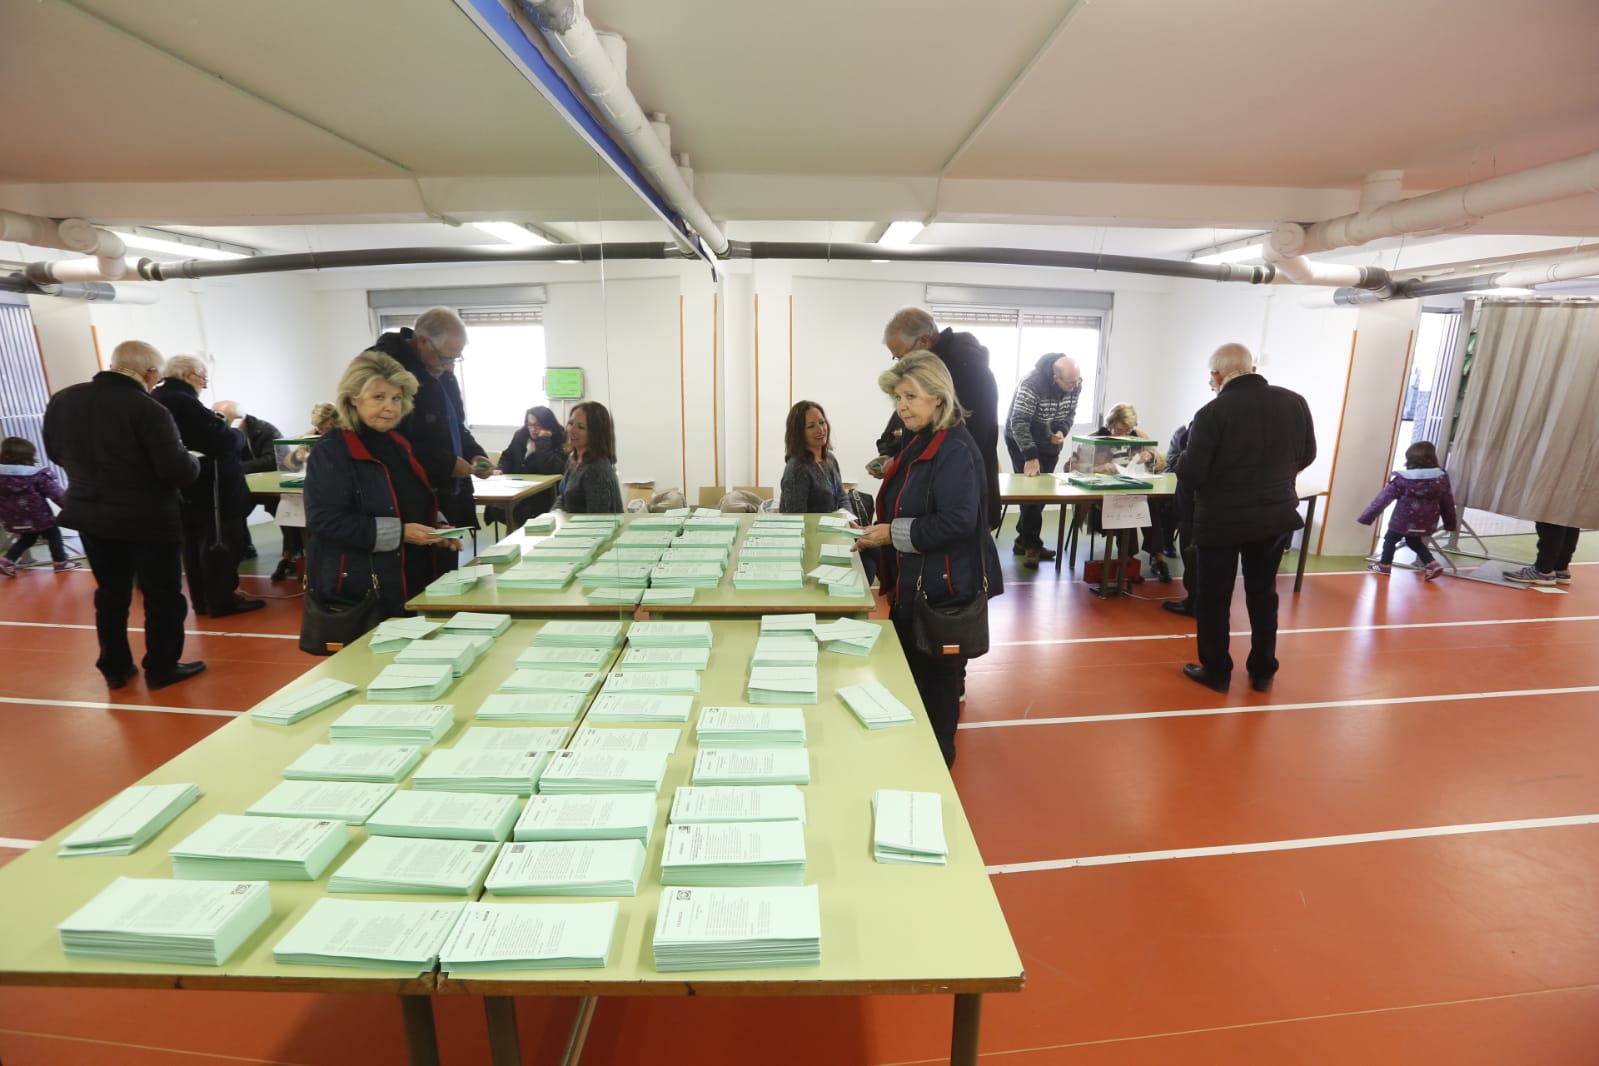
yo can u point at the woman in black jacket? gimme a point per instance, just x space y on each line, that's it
934 507
539 447
370 513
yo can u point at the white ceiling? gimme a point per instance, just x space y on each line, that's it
1134 127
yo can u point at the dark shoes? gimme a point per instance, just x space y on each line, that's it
286 570
180 672
1195 672
1260 684
119 678
1178 607
1157 566
1030 558
248 552
239 605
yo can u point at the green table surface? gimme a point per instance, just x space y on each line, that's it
502 488
885 928
724 599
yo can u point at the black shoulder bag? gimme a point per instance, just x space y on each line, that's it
327 626
957 630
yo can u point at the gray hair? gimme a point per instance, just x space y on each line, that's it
179 365
365 370
910 324
136 357
930 375
1231 361
229 409
439 323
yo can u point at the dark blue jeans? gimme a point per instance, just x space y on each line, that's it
52 537
1390 543
1218 571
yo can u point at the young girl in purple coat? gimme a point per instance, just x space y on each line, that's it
1423 496
25 492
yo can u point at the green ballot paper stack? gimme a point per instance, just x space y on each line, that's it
616 738
286 708
734 854
392 634
533 706
514 936
477 624
192 923
510 773
908 827
513 738
781 684
553 682
737 803
750 727
637 658
238 847
640 707
500 554
457 651
353 762
849 636
752 766
411 682
738 928
578 659
129 820
568 868
541 576
875 705
404 723
563 634
603 771
670 635
446 816
602 816
351 802
370 934
407 866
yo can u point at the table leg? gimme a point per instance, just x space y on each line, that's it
1060 539
1304 543
963 1038
421 1042
580 1030
1127 546
505 1044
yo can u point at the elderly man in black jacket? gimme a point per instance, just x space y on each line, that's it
215 506
258 457
912 329
125 465
436 426
1244 450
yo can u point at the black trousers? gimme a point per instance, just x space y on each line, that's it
157 568
52 537
1390 544
1184 537
939 681
198 533
1218 569
1030 516
1555 546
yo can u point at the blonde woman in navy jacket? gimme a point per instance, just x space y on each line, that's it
934 507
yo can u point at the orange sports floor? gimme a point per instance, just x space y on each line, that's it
1393 857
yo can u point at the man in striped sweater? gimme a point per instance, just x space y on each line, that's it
1041 414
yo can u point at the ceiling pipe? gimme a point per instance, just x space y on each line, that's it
89 291
574 39
72 235
1514 276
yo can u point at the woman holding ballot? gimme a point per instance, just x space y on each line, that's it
370 514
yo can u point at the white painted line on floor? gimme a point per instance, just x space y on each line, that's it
19 844
95 706
1295 845
1292 632
140 629
1375 701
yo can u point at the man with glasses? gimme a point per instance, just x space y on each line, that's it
216 505
436 427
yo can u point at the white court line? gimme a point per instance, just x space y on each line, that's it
1291 632
18 843
1294 845
1376 701
95 706
140 629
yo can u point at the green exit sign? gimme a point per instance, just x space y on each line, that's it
564 383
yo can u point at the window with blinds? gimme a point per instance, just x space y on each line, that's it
23 391
503 372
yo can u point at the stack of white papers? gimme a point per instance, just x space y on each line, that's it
712 520
640 707
289 707
477 623
908 827
353 762
710 553
753 766
579 659
510 773
849 636
633 537
838 554
750 727
784 650
155 920
542 523
533 707
592 770
129 819
776 542
415 867
535 573
766 553
568 868
621 597
617 575
607 522
836 524
737 803
686 575
631 555
780 520
670 635
564 634
660 597
559 682
393 723
508 552
782 684
728 854
453 583
875 706
829 574
445 816
788 624
853 586
411 682
513 738
562 550
652 682
514 936
459 653
602 816
351 802
674 522
392 634
637 658
738 928
768 575
238 847
611 738
378 934
694 536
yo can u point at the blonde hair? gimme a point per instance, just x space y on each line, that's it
1124 413
364 371
323 412
929 374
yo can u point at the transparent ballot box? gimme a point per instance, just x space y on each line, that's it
1094 458
291 454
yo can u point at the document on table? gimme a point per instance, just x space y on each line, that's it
354 762
516 936
733 803
908 827
1124 512
132 817
348 932
409 865
351 802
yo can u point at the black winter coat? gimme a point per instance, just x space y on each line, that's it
259 455
124 460
206 432
967 361
427 427
547 458
1245 448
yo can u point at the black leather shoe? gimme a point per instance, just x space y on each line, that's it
1260 684
286 570
1178 607
1157 566
181 672
248 552
1195 672
119 678
239 606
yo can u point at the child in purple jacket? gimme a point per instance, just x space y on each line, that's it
1423 496
25 491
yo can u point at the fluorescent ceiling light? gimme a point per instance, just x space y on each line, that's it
177 244
1253 250
1504 290
900 234
513 233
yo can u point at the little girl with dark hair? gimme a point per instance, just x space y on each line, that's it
25 491
1422 496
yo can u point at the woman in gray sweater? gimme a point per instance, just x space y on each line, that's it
590 485
811 479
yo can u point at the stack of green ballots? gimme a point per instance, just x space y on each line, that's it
640 707
830 574
239 847
391 723
507 552
411 682
852 586
750 727
784 650
612 594
838 554
875 705
645 538
453 583
737 803
631 554
568 868
353 762
513 738
791 546
541 523
662 597
616 575
637 658
446 816
614 816
752 766
712 523
707 538
477 623
729 854
538 575
781 684
392 634
836 524
711 553
593 521
533 706
787 624
652 682
908 827
848 635
738 928
564 634
459 653
768 575
510 773
189 923
351 802
612 738
673 522
591 770
686 575
514 936
578 659
370 934
562 550
129 820
554 682
669 635
286 708
405 866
